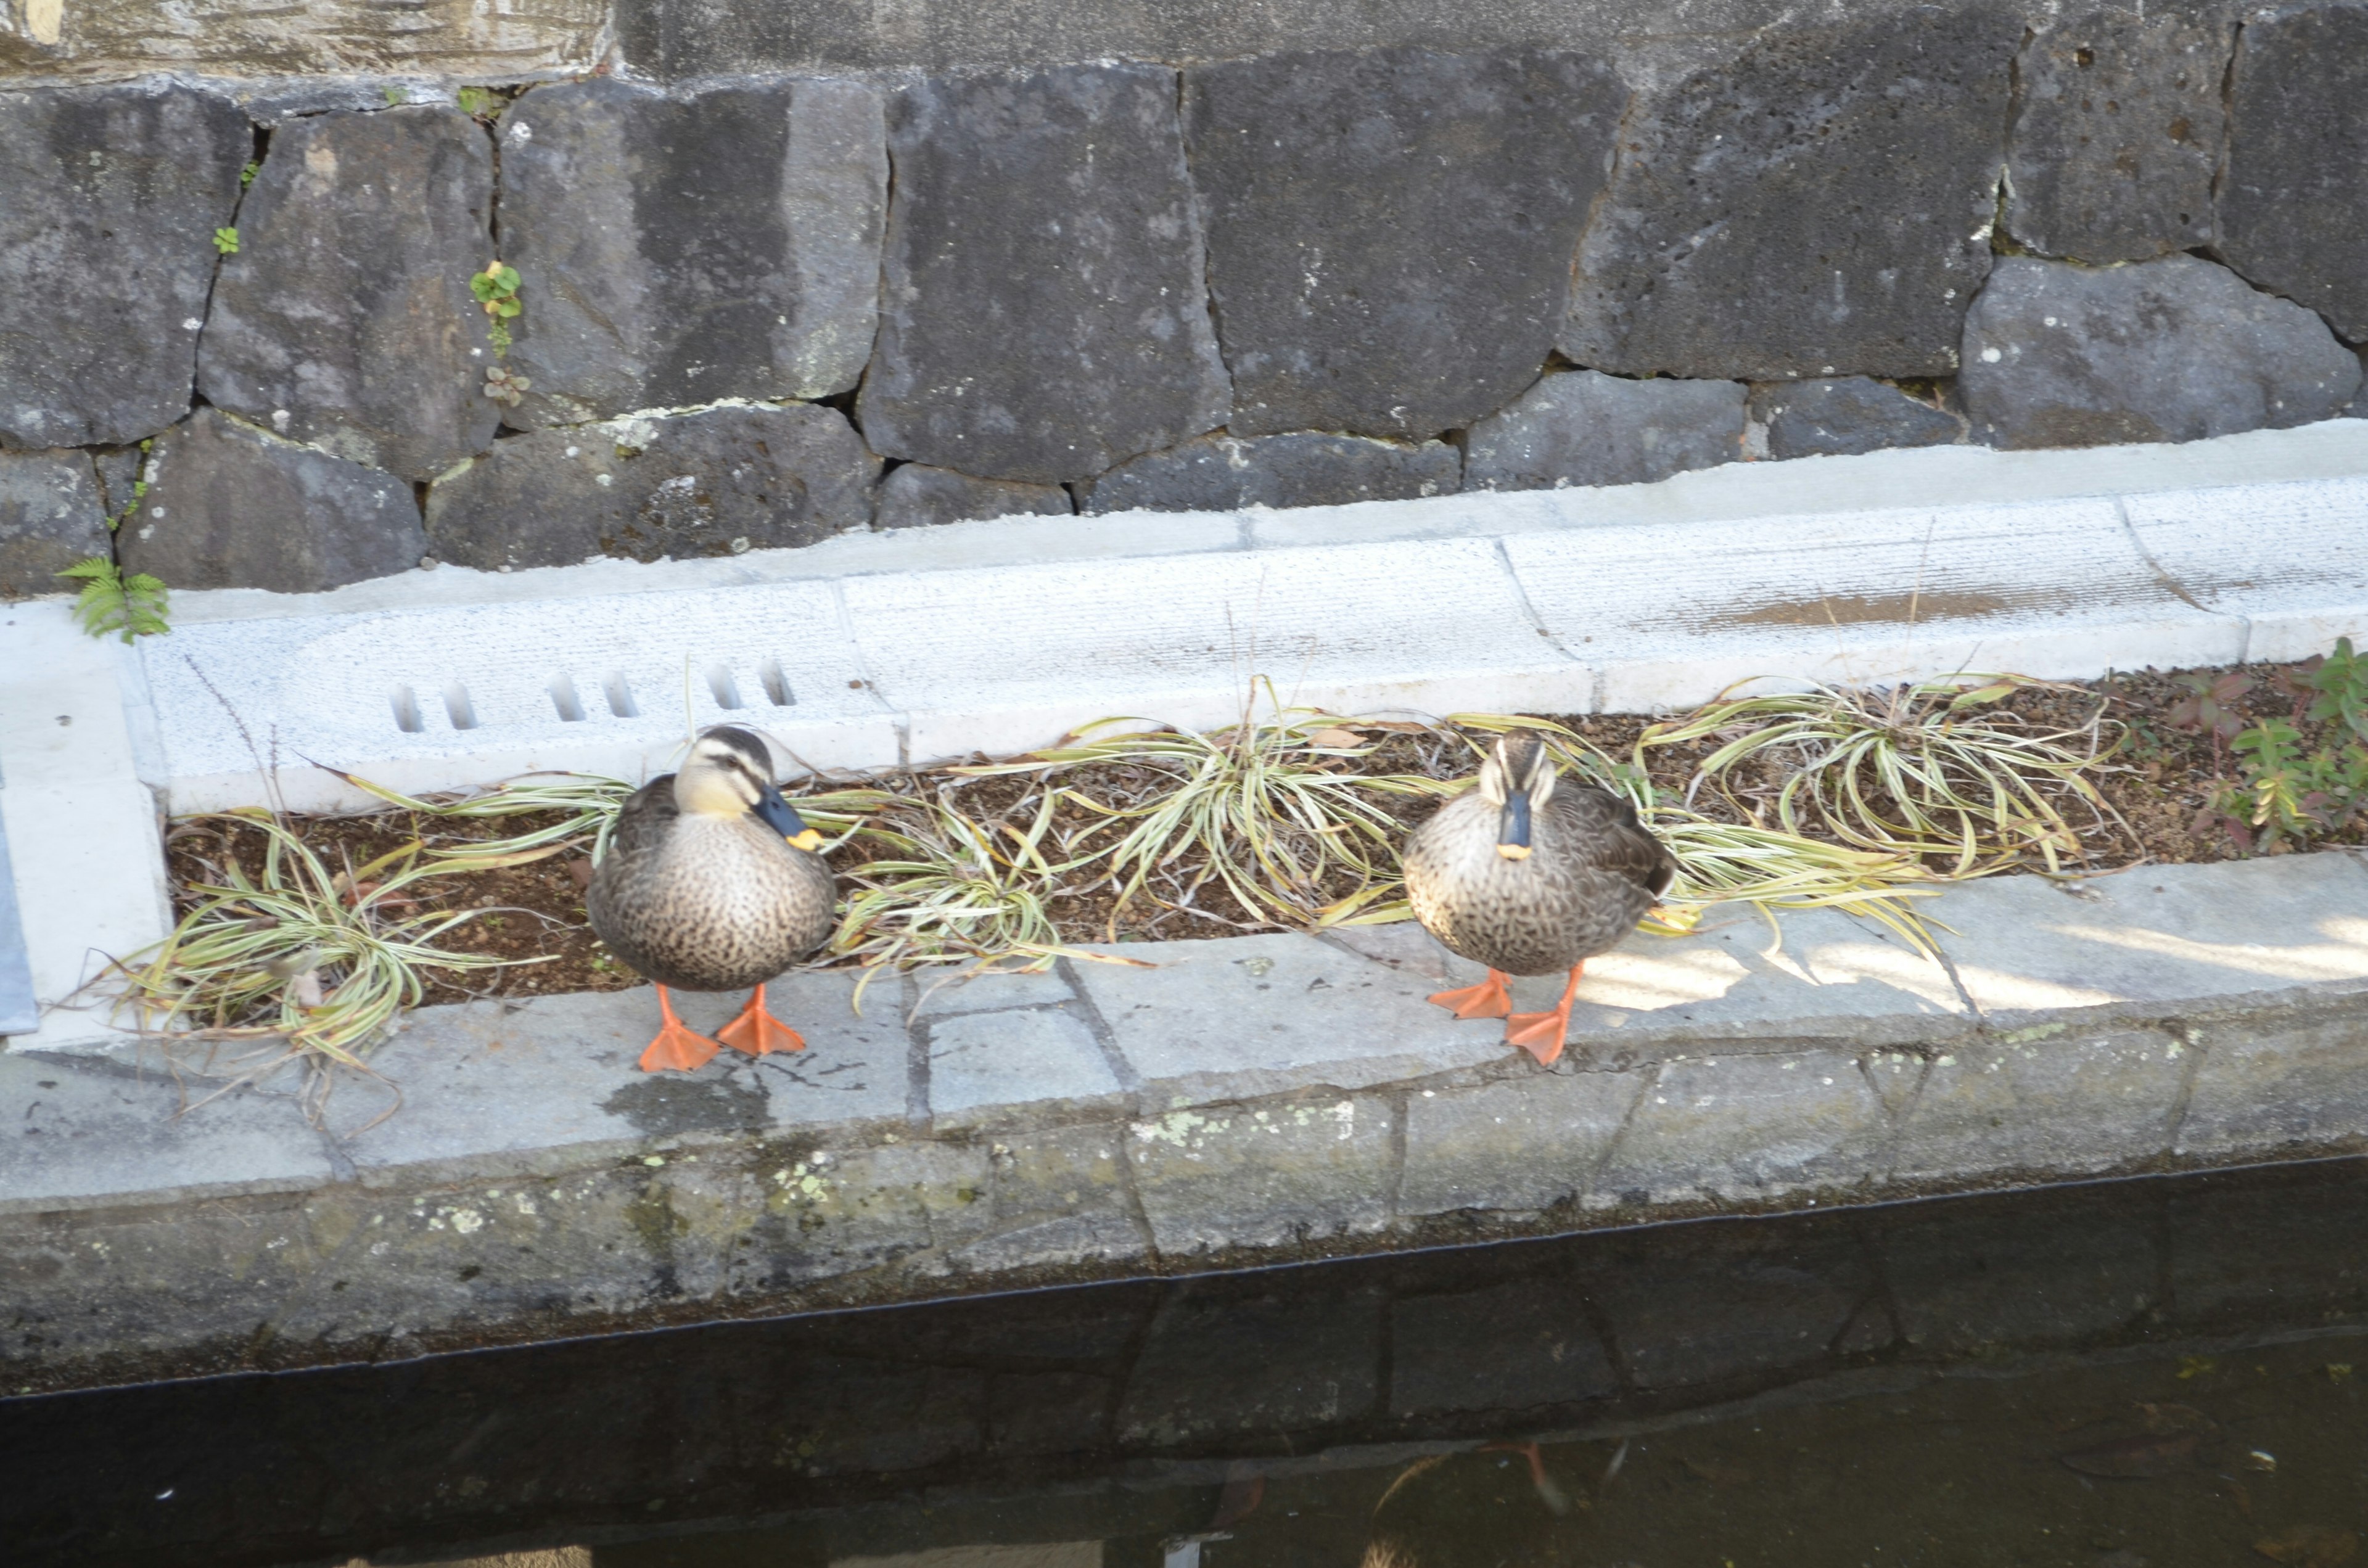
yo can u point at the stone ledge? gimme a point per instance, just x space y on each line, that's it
1247 1100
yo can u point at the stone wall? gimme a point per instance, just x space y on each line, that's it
820 295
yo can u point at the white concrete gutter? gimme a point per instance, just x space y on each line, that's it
875 649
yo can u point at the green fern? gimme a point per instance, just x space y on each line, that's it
109 601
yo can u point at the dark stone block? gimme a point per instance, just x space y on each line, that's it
1818 207
109 198
50 518
1847 416
1517 1347
1225 1359
1220 473
1390 232
2168 350
2117 135
233 506
1719 1309
344 321
684 248
715 483
1584 427
1967 1281
1044 315
2294 199
119 476
917 495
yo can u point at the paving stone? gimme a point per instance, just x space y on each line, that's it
234 506
2170 350
917 496
1057 1197
1845 415
1818 206
1817 975
2293 1083
2294 198
345 318
981 1062
1372 1027
1220 473
684 247
87 1132
1541 1351
109 198
2059 1104
545 1083
1072 181
1737 1128
1963 1280
50 518
2157 935
1522 1145
1582 427
1725 1308
718 482
1264 1174
990 992
2118 129
1390 231
1227 1357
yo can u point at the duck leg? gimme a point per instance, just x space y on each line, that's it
1540 1034
678 1046
1489 999
756 1032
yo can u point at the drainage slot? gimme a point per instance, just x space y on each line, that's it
457 706
777 685
406 710
726 690
564 697
621 697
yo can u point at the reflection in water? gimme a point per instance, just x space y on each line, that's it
2146 1372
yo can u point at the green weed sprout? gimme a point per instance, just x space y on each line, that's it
496 289
109 601
226 241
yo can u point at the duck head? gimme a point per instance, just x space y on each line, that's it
729 774
1516 779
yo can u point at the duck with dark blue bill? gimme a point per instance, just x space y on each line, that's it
1530 874
712 882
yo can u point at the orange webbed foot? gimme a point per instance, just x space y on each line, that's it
678 1048
1540 1034
758 1032
1489 999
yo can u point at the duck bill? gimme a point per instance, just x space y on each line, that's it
1513 827
783 819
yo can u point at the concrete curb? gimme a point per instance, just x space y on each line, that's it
1249 1100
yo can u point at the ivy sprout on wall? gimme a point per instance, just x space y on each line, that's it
496 290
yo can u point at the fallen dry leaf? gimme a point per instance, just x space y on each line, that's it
2310 1546
1335 737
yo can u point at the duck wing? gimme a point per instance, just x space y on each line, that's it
643 823
1607 836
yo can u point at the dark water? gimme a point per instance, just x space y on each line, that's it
2157 1371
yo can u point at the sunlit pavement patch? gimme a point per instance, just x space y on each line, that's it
1250 1099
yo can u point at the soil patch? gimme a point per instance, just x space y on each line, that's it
2164 791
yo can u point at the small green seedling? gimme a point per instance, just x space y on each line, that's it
482 102
226 241
396 94
496 290
109 601
247 175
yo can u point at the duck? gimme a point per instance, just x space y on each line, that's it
712 882
1530 873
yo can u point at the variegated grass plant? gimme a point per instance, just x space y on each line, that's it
1269 818
310 963
1934 769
